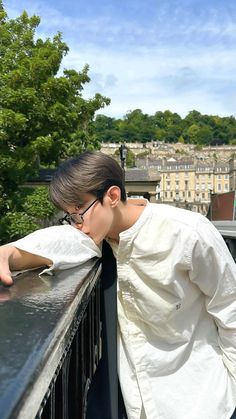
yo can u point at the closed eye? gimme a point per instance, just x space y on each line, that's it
79 206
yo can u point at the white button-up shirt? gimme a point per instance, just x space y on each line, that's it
176 310
177 317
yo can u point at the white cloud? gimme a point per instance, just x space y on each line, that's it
175 61
179 80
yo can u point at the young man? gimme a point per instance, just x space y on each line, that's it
176 292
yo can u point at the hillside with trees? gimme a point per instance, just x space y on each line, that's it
168 127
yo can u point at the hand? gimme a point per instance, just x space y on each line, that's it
12 258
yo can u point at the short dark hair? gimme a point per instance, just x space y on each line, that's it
89 172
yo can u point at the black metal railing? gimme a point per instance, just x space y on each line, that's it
228 232
67 394
58 356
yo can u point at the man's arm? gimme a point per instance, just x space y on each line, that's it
13 259
60 247
214 271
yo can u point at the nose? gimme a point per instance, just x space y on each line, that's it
78 226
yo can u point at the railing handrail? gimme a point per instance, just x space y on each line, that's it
226 228
38 317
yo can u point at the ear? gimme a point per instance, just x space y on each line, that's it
113 194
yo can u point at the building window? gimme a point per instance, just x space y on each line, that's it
226 177
219 187
189 194
226 187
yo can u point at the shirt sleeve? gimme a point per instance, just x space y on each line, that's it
65 245
213 270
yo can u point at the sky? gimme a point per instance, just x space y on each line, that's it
151 55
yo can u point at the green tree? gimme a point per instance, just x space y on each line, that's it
192 133
43 116
193 117
168 126
137 126
107 129
36 213
181 139
205 135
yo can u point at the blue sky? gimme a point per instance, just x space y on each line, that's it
148 54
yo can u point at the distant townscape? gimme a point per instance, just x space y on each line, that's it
185 175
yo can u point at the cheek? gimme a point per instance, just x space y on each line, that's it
104 220
101 225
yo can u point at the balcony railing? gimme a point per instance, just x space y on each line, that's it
58 355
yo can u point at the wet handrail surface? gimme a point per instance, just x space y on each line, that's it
37 315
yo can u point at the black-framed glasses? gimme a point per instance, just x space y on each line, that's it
76 218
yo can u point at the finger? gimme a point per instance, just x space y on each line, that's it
6 278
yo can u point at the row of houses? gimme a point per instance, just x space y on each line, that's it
179 174
191 182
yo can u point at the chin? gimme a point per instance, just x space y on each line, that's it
97 240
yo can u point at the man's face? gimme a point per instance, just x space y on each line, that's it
96 219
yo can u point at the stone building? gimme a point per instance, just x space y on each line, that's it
188 176
189 183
